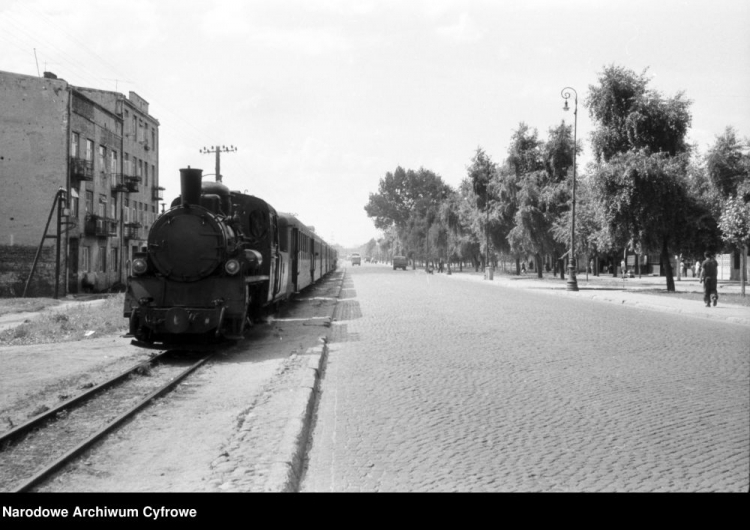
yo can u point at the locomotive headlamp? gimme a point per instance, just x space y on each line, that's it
139 266
232 266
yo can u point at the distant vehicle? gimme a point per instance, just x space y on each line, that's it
356 259
400 262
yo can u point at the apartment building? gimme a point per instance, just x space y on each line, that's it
97 152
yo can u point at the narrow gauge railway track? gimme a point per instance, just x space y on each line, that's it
32 452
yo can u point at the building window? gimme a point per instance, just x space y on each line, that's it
145 175
153 138
135 127
113 162
74 203
153 174
89 202
102 158
85 259
126 210
113 208
102 259
89 150
140 168
113 262
126 163
74 145
102 205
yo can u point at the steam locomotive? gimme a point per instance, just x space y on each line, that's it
215 261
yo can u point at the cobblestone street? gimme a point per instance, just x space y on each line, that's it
434 384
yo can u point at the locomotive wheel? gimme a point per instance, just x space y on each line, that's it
140 333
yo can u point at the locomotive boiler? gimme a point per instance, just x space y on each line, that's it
215 261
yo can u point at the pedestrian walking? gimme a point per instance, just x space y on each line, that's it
698 268
709 270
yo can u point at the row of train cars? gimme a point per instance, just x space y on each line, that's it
215 262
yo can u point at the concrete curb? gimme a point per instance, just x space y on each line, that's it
286 471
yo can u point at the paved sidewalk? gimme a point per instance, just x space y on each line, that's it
634 292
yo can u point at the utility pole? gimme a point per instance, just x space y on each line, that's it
218 149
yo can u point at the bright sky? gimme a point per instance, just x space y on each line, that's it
323 97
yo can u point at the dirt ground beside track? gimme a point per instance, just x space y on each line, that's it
171 445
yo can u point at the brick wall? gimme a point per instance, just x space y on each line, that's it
15 266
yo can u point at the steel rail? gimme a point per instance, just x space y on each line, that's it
41 475
40 419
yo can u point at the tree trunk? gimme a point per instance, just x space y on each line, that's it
518 266
538 260
614 264
743 272
667 264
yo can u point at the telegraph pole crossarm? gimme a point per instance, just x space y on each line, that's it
218 149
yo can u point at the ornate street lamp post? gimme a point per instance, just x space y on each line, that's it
488 267
572 282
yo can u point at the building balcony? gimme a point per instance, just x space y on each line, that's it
81 169
131 182
157 193
132 231
117 184
98 226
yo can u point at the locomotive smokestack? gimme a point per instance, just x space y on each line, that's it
190 183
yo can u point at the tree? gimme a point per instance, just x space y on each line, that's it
639 144
644 200
370 248
480 173
728 166
735 228
409 201
530 232
532 190
629 116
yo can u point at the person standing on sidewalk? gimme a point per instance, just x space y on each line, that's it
709 271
